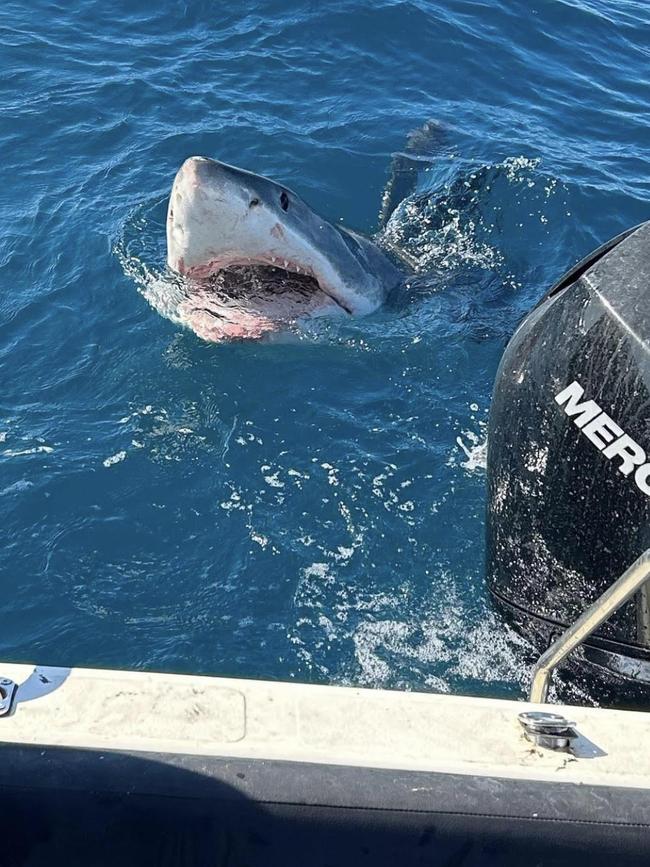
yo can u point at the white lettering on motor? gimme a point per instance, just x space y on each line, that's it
584 411
629 451
606 435
602 430
641 477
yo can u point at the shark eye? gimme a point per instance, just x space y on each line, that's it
284 201
253 202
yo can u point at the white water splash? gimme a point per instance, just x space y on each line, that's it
114 459
475 450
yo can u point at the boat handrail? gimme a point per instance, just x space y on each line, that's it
629 583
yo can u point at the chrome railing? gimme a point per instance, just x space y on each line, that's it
630 582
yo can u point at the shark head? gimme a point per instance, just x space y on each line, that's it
223 219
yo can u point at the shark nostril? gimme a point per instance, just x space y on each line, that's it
284 201
253 202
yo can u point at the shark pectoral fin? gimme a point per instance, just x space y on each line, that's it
422 144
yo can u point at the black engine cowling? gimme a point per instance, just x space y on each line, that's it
569 459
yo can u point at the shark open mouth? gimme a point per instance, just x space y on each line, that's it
277 278
251 299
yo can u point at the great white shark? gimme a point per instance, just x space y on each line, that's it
254 255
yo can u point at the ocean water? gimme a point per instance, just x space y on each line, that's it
311 506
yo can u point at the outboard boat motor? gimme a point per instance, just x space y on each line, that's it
569 464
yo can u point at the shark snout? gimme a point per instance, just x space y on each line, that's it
216 180
206 208
206 183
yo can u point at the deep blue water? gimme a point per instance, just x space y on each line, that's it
310 507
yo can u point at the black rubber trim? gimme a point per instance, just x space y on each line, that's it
79 807
59 769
